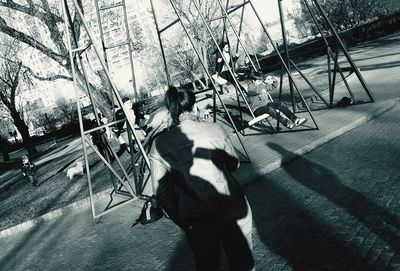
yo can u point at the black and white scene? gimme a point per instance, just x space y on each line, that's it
200 135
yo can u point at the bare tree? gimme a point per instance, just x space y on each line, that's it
47 16
3 141
47 120
191 17
12 77
344 14
67 110
184 61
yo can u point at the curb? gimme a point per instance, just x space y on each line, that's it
85 202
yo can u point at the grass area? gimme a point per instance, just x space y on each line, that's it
22 201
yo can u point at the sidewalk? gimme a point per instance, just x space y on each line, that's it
74 241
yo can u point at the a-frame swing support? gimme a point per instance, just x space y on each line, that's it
215 92
76 61
287 62
332 54
224 16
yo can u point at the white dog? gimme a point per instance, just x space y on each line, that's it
76 170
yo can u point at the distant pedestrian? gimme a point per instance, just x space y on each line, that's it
191 165
122 127
103 120
29 170
99 140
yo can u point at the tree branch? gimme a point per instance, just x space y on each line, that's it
45 4
15 80
77 20
31 10
47 78
27 39
4 98
36 76
5 81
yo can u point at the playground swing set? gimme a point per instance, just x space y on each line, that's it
136 175
330 38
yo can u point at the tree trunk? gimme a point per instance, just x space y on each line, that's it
6 155
4 149
24 131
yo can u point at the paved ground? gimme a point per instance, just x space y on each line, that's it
334 208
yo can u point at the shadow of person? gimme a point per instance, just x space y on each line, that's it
207 206
324 182
287 233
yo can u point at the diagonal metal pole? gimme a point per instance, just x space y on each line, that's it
209 76
130 50
67 18
240 26
223 57
287 57
87 84
309 83
327 45
160 42
130 121
235 32
283 62
346 53
74 76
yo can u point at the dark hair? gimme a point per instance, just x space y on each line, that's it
124 99
222 44
179 101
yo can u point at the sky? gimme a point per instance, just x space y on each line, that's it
267 9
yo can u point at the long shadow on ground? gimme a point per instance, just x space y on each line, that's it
291 231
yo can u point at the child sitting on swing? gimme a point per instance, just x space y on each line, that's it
259 89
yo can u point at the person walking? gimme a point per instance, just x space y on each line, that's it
191 164
29 170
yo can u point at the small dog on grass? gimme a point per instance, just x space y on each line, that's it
76 170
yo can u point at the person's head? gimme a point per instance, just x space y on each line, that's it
25 159
127 102
179 101
224 47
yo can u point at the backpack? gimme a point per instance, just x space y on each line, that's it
150 212
345 101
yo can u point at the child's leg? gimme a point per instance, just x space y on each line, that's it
284 109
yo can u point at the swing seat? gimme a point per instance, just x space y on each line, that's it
258 119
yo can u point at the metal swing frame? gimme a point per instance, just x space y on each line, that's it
122 186
332 56
215 92
224 16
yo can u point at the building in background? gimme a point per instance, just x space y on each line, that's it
141 25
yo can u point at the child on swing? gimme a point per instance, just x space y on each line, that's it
259 89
